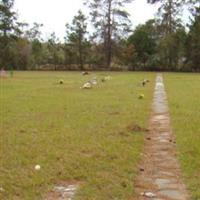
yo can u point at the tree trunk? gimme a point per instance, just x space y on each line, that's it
80 52
170 17
170 32
109 35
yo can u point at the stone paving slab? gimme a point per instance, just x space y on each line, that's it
63 191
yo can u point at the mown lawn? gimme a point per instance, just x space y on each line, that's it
81 135
184 100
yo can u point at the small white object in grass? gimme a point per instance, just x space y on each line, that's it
2 190
87 86
37 167
148 194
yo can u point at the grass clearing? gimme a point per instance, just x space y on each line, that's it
73 134
183 92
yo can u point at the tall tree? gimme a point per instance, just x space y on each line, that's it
54 47
76 36
33 35
169 22
193 42
110 21
144 40
7 18
8 30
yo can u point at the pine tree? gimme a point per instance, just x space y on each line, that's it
54 47
9 29
111 22
169 21
193 41
76 36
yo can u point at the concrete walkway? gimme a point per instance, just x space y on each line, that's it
160 175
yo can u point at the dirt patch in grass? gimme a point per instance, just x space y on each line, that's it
136 128
114 113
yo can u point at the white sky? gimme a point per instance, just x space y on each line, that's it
54 14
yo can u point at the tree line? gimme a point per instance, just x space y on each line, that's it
162 43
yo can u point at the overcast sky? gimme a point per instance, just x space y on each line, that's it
54 14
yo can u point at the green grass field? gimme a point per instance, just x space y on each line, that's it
184 100
74 134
